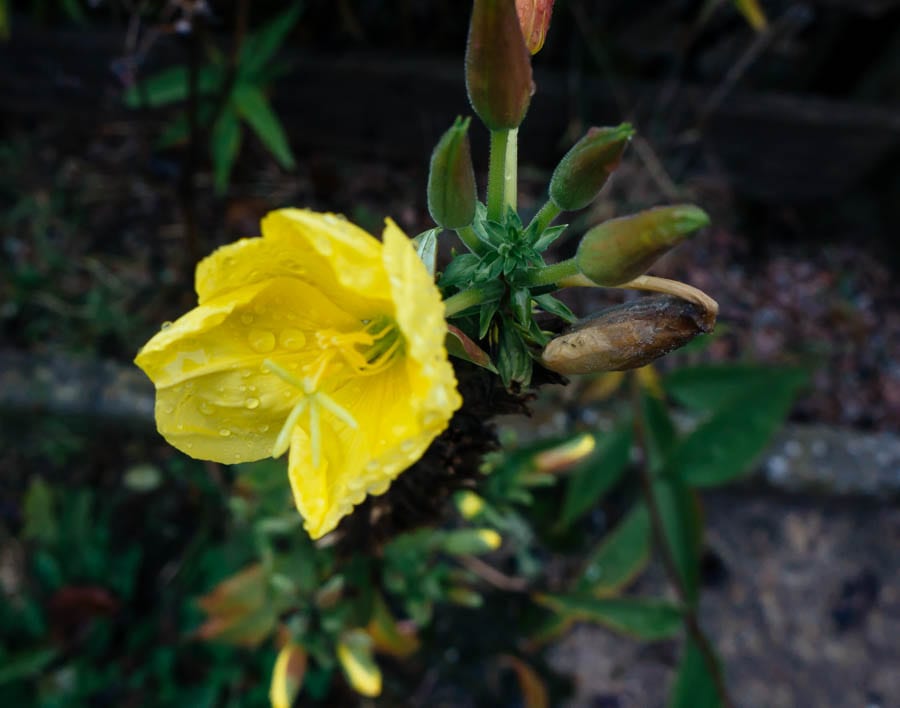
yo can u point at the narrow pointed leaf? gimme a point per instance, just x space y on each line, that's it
636 617
254 108
621 555
260 47
597 475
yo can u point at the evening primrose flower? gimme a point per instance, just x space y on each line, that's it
315 338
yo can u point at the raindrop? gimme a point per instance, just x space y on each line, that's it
292 339
165 325
247 318
261 341
252 403
207 408
224 432
263 428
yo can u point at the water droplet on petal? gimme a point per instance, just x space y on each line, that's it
261 341
292 339
247 318
252 403
207 408
263 428
165 325
224 432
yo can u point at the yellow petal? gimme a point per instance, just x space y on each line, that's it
327 251
215 400
354 652
419 312
399 411
287 675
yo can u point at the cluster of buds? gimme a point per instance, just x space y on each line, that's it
508 277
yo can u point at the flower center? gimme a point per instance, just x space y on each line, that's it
364 352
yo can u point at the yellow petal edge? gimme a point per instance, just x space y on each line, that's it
315 336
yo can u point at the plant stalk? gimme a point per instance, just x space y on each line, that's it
468 236
691 618
496 192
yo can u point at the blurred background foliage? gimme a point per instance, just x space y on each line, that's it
131 575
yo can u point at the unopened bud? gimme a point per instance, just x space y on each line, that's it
620 250
581 174
469 504
451 180
534 17
498 66
627 336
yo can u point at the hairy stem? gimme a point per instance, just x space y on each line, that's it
496 192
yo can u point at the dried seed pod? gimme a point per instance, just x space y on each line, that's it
627 336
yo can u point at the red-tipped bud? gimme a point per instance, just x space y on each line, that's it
498 66
451 180
620 250
534 17
627 336
581 174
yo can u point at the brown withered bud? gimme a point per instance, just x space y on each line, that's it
627 336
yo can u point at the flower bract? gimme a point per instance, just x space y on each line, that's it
314 338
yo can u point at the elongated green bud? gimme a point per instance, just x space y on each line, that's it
627 336
581 174
498 65
620 250
451 180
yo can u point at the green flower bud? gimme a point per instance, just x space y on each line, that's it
620 250
627 336
581 174
451 180
498 65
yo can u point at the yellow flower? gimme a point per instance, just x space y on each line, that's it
315 337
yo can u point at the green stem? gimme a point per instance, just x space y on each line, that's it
473 243
497 175
545 216
511 173
551 274
471 297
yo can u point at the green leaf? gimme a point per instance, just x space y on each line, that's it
550 304
680 517
694 687
171 85
260 47
26 664
549 236
513 360
426 248
460 271
636 617
621 555
255 109
725 447
595 476
520 304
462 347
708 388
41 523
178 130
224 145
5 26
659 430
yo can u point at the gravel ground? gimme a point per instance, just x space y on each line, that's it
803 605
